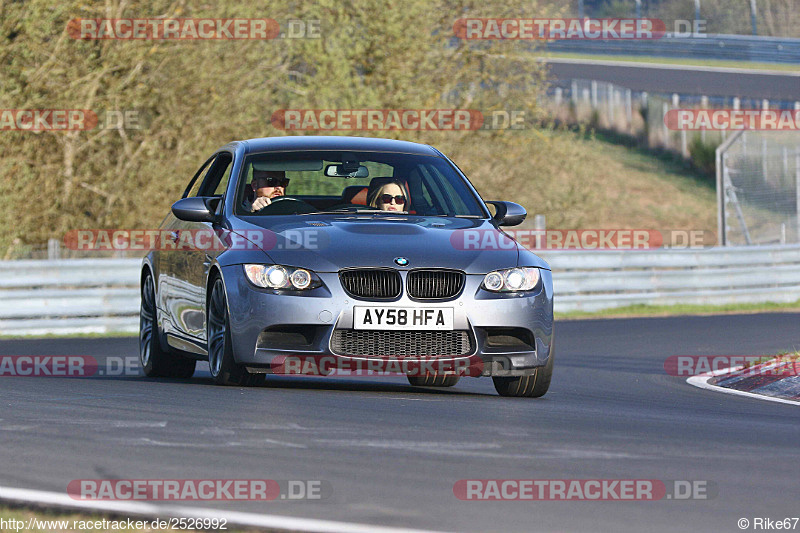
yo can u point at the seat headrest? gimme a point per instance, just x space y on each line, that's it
355 194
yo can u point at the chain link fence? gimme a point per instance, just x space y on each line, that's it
758 188
758 172
640 114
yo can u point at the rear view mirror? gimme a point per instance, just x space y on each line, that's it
346 171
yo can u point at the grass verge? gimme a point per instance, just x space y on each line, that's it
642 310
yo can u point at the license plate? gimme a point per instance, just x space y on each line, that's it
427 318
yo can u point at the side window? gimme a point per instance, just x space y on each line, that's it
216 179
194 185
223 182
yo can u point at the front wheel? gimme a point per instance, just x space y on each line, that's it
155 361
224 369
531 386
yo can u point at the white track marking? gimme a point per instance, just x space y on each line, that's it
701 381
667 66
273 522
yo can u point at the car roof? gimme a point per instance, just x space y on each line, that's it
334 142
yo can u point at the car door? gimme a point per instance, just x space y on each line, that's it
194 256
170 292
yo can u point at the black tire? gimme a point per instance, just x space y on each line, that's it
224 368
157 362
533 385
433 380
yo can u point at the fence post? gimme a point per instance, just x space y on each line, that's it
53 249
704 105
574 92
797 190
684 147
764 158
539 225
665 130
785 154
629 110
594 95
559 94
721 161
720 199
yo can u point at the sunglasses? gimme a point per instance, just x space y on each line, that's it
272 182
387 199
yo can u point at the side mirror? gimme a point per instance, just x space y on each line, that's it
195 209
508 213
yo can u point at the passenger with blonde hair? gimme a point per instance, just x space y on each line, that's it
388 194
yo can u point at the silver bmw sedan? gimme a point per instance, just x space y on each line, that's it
315 255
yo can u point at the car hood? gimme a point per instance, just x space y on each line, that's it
328 243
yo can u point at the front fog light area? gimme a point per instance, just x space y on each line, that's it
281 277
511 280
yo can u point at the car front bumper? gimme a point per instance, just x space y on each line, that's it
267 326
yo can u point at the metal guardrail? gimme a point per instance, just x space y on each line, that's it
102 295
592 280
712 46
69 296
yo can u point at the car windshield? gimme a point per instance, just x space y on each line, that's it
301 183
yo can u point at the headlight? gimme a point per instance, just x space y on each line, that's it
281 277
512 279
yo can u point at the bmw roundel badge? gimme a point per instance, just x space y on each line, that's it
401 261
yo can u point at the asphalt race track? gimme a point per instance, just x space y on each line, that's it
392 453
665 78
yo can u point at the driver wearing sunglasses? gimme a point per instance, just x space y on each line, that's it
388 196
266 185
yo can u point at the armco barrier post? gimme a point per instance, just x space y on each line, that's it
797 190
